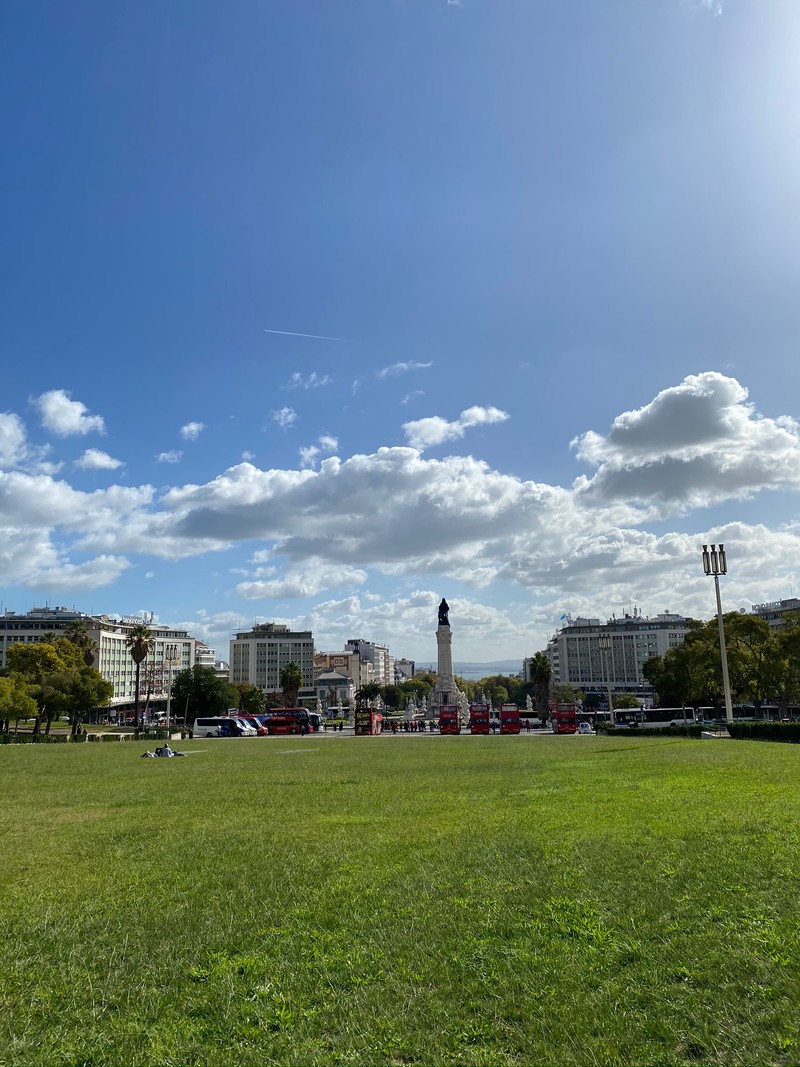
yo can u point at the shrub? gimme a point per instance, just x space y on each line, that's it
650 731
766 731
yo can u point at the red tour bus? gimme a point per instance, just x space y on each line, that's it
287 721
509 719
479 718
449 719
368 721
564 718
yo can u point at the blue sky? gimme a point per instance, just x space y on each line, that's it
549 257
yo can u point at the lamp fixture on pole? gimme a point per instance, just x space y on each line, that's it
715 563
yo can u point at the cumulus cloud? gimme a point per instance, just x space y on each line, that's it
96 460
175 455
192 430
313 381
694 444
284 417
325 446
425 433
65 417
12 439
315 576
402 368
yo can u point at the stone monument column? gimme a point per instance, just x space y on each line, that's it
446 690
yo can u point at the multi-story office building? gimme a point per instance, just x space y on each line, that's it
404 670
259 655
377 655
172 651
578 655
774 611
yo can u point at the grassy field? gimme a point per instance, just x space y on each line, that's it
421 900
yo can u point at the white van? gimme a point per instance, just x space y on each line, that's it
222 726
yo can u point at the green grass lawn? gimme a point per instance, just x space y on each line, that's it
422 900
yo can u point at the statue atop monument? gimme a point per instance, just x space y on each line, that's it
443 611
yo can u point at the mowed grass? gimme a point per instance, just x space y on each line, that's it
421 900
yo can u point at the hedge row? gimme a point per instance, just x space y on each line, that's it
650 731
58 739
766 731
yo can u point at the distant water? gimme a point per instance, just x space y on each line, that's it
473 671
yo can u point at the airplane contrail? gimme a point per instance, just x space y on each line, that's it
314 336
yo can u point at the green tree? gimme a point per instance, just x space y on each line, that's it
251 698
368 693
197 691
87 690
47 668
77 632
392 696
139 642
540 671
291 679
16 701
564 693
625 700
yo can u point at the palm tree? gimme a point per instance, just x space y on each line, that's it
540 672
78 633
291 682
368 693
139 642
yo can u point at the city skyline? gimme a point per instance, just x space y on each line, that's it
317 316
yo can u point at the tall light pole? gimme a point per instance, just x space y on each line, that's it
170 657
604 644
714 562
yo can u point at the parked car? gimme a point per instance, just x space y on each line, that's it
585 728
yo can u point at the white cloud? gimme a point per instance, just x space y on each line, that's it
402 368
248 456
175 455
95 459
412 396
64 417
12 440
313 381
694 444
312 578
311 453
284 417
192 430
425 433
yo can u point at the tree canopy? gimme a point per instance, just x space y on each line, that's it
291 679
199 692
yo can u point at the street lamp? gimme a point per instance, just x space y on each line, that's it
170 658
714 562
604 644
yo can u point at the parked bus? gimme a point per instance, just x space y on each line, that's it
655 718
479 718
564 718
449 719
287 721
509 719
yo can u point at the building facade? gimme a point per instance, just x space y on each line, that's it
259 655
578 655
172 651
378 656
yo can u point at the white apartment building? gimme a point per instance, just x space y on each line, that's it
173 650
578 655
378 656
259 655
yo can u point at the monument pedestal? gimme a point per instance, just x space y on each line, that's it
446 690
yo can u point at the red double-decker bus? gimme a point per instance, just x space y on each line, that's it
564 718
479 718
287 721
368 721
509 719
449 719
